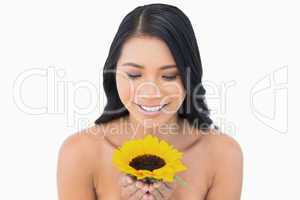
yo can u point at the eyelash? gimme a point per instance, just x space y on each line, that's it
134 76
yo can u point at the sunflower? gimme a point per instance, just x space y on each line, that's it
148 159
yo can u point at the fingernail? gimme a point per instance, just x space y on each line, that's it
139 184
151 188
129 180
145 189
156 185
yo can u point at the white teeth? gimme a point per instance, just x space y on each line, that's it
151 109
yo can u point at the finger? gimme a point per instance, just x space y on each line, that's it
138 195
138 185
148 196
170 185
129 190
164 189
148 187
157 194
161 186
157 184
125 180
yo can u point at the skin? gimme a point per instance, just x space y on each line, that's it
154 84
214 159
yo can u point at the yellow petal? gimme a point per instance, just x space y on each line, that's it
153 146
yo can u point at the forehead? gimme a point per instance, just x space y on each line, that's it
146 51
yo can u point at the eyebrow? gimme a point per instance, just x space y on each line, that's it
140 66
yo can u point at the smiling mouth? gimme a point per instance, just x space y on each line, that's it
152 108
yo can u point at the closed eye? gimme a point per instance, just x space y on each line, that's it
133 76
170 77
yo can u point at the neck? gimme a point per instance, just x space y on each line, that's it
139 129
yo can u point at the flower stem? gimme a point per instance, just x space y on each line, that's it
181 181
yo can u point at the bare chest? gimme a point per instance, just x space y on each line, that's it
197 176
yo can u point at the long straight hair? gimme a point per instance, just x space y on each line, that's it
170 24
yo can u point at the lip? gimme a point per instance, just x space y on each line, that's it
150 113
150 105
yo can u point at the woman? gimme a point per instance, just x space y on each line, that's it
152 80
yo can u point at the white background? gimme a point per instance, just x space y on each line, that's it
249 46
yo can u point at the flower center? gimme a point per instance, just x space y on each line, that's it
147 162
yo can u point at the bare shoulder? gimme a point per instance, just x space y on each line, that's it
227 165
83 143
78 151
222 149
86 144
225 151
222 144
76 165
74 149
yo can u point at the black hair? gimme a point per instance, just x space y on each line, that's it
170 24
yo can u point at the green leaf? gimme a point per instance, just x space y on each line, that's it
181 181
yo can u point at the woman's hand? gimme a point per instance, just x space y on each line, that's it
132 189
161 190
137 190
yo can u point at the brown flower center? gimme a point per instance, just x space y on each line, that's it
147 162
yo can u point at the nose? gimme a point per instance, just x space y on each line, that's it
148 89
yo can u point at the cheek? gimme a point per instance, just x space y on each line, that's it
125 88
174 91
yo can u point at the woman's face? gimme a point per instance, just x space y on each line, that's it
148 81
